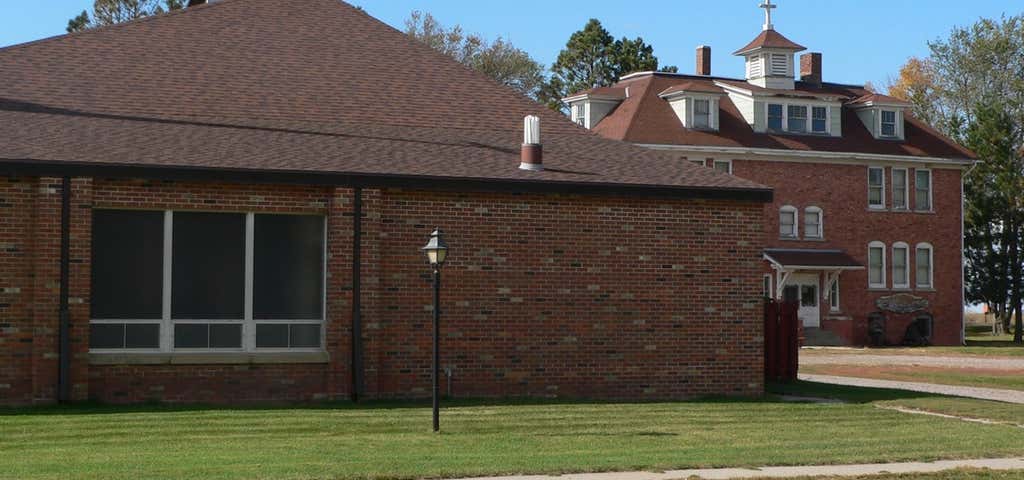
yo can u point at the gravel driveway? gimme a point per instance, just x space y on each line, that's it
870 359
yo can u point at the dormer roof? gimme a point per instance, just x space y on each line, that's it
599 93
877 99
692 87
770 39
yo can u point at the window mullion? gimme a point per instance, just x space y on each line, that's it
249 328
167 329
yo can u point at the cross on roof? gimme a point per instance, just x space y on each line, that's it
768 7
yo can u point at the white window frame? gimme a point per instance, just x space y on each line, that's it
881 247
768 117
931 266
579 113
906 188
833 296
882 186
248 322
806 118
905 283
882 123
931 188
706 115
715 163
796 222
821 222
811 120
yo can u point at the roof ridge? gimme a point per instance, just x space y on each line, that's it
104 28
636 112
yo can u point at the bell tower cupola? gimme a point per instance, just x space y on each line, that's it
769 57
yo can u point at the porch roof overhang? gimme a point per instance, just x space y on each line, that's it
821 260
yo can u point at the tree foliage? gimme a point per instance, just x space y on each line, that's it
109 12
971 87
593 58
499 59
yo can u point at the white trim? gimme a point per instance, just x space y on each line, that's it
249 328
931 265
906 188
882 196
906 266
833 300
880 246
714 165
851 158
796 222
931 189
821 222
769 291
166 333
895 123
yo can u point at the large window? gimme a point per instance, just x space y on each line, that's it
787 222
923 190
189 281
819 119
813 223
900 265
888 123
925 275
899 189
876 265
774 117
702 114
876 187
797 122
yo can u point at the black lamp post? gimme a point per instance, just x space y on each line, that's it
437 252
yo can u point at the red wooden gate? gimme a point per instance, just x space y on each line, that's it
781 340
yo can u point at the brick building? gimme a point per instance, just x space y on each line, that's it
866 226
226 204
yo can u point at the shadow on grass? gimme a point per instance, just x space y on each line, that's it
844 393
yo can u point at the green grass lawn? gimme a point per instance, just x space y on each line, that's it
394 441
961 407
1011 380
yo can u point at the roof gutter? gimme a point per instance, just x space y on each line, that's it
815 154
23 167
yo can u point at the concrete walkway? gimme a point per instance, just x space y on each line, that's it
999 395
786 472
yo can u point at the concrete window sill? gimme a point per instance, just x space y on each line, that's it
239 358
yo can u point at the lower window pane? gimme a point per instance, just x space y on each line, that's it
226 336
305 336
272 336
142 336
106 335
191 335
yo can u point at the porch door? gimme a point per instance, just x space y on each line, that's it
807 289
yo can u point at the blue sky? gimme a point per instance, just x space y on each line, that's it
862 40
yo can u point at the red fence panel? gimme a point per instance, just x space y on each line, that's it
781 340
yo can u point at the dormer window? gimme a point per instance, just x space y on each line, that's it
819 120
797 119
889 123
702 114
579 114
775 117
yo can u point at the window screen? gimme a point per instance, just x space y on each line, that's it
288 267
127 264
208 266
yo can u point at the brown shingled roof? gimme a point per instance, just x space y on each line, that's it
645 118
310 89
770 39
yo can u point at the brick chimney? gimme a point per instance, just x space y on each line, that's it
704 60
810 68
532 155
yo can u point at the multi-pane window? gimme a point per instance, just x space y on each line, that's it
724 166
876 265
702 114
888 123
923 190
819 119
876 187
579 114
797 122
787 222
900 265
191 281
775 117
899 189
813 223
923 262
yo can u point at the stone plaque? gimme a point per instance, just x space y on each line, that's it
902 303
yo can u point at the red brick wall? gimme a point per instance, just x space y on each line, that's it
841 191
544 295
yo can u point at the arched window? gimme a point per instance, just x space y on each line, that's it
876 265
900 265
788 222
814 223
925 269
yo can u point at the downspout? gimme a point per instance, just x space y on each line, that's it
357 313
64 363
